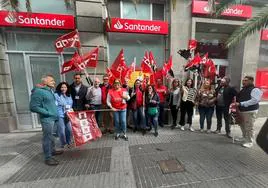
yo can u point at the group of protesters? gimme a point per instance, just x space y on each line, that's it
145 102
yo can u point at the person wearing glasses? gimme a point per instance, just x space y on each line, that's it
248 104
117 100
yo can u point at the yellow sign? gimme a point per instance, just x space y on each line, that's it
136 75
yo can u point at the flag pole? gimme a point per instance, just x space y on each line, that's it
134 64
62 62
89 81
95 72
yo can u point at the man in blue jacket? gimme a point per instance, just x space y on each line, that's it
43 103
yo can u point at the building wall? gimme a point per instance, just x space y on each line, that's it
7 112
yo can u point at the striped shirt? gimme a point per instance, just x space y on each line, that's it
189 94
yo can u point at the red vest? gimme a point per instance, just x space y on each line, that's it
104 92
117 100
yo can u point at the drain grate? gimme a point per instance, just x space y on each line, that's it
171 166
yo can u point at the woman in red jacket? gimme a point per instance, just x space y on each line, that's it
116 100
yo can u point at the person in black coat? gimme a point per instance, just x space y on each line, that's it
151 104
78 93
225 95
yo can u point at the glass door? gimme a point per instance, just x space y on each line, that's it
38 66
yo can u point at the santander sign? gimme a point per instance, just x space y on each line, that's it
242 11
137 26
37 20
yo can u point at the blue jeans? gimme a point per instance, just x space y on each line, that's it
120 122
139 118
97 114
154 121
205 113
48 141
64 131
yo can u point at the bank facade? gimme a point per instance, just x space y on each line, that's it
27 50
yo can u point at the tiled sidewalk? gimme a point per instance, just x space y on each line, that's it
210 160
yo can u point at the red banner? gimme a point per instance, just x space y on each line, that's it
264 34
91 58
37 20
84 127
72 64
242 11
137 26
68 40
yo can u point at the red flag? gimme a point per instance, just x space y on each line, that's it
204 58
110 76
71 64
167 66
68 40
91 58
192 64
119 66
192 44
152 61
84 127
209 70
146 64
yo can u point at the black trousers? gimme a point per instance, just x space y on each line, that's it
223 111
161 115
186 108
174 113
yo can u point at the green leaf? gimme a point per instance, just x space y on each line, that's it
249 27
224 4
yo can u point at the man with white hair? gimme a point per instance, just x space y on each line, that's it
225 95
43 102
93 98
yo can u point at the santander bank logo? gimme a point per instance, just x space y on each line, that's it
118 25
10 19
228 11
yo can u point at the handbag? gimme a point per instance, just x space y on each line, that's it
152 111
262 138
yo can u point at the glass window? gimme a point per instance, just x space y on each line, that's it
59 6
19 82
28 42
135 45
141 12
158 12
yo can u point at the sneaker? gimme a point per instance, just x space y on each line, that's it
143 132
228 135
217 132
182 128
125 137
51 162
201 130
208 131
111 131
117 137
191 129
57 152
241 139
247 144
156 134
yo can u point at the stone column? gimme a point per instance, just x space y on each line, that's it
180 26
7 113
90 24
